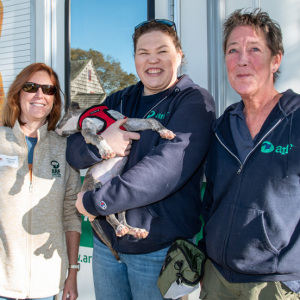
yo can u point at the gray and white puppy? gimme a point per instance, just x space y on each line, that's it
111 166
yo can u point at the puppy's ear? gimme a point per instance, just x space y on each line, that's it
74 105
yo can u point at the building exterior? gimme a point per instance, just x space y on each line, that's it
30 31
86 88
39 31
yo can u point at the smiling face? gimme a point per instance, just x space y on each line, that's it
156 61
250 64
35 107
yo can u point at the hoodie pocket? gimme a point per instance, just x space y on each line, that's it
249 249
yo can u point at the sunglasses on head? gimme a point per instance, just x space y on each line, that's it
31 87
160 21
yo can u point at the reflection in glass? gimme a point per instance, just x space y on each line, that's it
108 65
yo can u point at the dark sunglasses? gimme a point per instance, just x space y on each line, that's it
160 21
31 87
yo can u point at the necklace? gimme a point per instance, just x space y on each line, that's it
146 114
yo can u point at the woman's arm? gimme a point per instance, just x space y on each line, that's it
82 155
70 291
72 228
166 168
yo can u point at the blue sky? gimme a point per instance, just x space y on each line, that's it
107 26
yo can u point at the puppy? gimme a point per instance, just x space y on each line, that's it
91 122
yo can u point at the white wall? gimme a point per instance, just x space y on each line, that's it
287 15
193 36
32 31
194 40
15 46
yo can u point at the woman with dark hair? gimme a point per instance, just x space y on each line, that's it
38 193
160 186
252 199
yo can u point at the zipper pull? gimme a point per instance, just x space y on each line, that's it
239 170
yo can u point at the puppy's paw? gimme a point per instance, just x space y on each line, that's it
107 154
138 233
167 134
105 150
121 230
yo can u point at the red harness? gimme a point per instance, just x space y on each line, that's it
100 112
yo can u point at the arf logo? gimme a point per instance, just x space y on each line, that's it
55 168
54 164
266 147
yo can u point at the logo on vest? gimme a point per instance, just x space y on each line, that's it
55 169
94 111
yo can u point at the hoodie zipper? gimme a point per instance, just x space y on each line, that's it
240 163
147 113
30 190
29 196
239 172
255 147
28 284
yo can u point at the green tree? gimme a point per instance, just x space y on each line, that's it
112 77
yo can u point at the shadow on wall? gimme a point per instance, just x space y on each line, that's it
2 95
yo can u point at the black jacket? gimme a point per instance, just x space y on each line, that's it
252 207
160 186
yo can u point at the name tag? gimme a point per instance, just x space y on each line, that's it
9 161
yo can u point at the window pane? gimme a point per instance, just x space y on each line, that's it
102 59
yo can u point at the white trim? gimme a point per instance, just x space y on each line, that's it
43 28
177 16
216 66
54 34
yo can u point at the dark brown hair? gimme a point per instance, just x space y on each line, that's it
12 109
262 23
154 26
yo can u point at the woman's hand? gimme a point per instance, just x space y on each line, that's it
70 291
81 209
119 140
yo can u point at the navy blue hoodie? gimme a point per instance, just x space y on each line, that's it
252 207
160 186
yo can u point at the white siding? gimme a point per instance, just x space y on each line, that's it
15 43
32 31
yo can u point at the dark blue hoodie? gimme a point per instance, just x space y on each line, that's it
160 186
252 207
